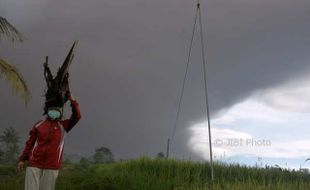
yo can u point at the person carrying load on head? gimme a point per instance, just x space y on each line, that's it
45 145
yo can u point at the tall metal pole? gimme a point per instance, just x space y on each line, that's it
168 147
198 13
206 89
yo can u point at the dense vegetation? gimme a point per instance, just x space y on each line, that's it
163 174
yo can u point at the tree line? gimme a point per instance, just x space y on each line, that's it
10 150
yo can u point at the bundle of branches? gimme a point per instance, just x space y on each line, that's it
58 87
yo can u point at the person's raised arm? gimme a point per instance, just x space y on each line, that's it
68 124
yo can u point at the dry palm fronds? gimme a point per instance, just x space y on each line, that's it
58 87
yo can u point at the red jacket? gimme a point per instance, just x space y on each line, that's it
44 148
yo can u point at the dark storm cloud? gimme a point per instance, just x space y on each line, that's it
130 62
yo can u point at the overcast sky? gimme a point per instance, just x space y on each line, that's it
130 62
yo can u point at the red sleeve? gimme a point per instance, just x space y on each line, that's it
29 144
75 116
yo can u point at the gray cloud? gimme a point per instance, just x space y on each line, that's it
131 58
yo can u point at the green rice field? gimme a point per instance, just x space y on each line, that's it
164 174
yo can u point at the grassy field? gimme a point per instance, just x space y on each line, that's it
162 174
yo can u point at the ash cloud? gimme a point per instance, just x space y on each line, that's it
130 62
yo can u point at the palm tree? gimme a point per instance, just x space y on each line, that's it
14 78
10 139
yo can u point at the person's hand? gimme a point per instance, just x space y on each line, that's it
70 97
20 166
69 94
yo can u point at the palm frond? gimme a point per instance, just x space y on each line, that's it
48 74
63 70
8 30
15 79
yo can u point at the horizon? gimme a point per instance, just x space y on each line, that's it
128 69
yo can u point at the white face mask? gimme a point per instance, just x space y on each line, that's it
54 114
